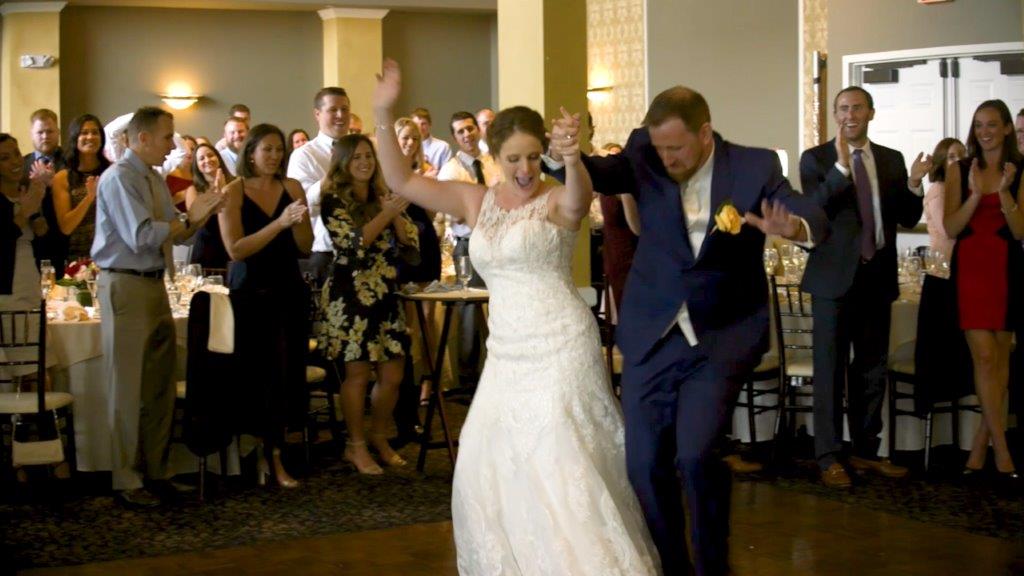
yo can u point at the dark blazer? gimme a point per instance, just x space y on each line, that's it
833 263
723 284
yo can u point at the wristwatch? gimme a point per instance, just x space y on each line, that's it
183 218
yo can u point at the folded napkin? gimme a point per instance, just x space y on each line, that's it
222 321
67 311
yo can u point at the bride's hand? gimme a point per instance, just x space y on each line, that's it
389 85
565 140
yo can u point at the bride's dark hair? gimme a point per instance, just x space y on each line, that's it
339 178
512 120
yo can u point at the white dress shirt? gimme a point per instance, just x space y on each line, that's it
460 168
230 160
309 165
437 151
869 165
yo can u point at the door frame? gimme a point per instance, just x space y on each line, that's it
853 64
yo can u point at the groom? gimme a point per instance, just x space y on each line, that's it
695 317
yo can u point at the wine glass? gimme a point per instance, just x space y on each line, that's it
771 260
47 277
465 270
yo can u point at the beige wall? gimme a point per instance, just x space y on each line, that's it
446 62
854 27
742 56
26 89
117 59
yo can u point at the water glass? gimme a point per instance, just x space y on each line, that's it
47 277
771 261
464 268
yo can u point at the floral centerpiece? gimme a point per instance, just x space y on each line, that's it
77 274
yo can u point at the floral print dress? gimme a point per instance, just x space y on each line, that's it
362 316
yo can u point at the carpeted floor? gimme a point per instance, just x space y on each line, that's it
334 499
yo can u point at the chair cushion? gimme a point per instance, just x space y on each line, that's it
800 367
768 363
179 393
27 402
315 374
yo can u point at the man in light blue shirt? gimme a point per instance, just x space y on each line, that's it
136 224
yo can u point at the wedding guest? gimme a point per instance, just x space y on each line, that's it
45 160
942 361
866 191
1019 127
135 226
983 213
296 139
240 111
208 176
429 267
265 229
364 327
74 187
436 150
309 165
484 117
235 131
20 203
355 124
179 178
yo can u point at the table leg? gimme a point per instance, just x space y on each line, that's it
436 396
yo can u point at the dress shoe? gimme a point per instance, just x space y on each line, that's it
738 465
881 467
138 498
835 476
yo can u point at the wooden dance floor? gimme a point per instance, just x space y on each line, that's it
775 532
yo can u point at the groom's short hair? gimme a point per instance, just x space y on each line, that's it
678 102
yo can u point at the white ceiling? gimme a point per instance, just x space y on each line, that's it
299 5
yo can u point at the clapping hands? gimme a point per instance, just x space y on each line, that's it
394 204
42 172
293 214
204 206
921 167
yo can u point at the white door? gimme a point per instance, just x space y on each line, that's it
909 113
980 81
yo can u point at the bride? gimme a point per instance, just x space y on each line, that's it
540 485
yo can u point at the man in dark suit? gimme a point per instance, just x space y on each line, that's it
865 191
695 315
43 162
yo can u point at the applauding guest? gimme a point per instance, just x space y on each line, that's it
179 178
265 230
208 176
74 187
983 213
19 217
364 323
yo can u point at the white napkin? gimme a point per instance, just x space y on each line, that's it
222 321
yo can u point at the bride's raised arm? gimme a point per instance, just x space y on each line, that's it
459 199
571 202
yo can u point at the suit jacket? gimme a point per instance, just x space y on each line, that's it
833 263
723 283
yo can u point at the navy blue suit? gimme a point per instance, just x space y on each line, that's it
676 398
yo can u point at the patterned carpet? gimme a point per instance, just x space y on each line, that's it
92 527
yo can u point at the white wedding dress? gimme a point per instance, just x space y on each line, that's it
540 485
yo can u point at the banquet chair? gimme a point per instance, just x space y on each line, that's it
794 329
768 371
23 352
323 380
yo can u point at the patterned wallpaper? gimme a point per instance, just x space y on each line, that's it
815 32
615 57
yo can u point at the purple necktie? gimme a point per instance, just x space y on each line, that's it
865 205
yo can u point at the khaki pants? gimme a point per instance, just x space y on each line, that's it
139 355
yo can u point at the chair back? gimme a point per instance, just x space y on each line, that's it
212 380
22 345
794 322
903 330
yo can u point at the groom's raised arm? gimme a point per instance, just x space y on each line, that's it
611 175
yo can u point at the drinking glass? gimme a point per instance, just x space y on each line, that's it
215 280
771 260
47 277
465 270
179 267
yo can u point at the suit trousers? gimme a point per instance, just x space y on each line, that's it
139 347
676 405
861 318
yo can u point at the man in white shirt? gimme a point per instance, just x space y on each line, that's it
484 117
436 151
236 111
309 164
235 131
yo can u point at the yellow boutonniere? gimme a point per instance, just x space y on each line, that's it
728 219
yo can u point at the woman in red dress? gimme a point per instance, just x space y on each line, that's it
988 263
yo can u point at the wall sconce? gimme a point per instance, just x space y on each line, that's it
599 94
179 96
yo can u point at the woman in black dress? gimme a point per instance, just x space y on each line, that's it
266 230
209 175
74 188
364 322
